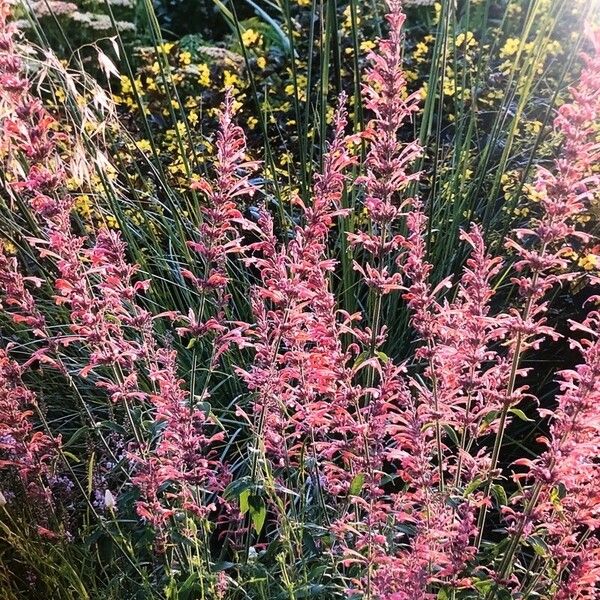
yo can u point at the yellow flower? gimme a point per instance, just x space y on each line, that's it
420 52
191 102
510 48
330 114
230 79
8 246
367 45
521 212
468 39
185 57
554 47
437 7
237 103
203 75
82 205
304 2
410 75
449 86
347 23
166 47
589 262
261 62
193 117
513 9
250 37
290 91
144 145
177 168
533 127
531 193
126 87
111 222
60 95
252 122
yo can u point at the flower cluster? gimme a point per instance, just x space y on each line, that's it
23 450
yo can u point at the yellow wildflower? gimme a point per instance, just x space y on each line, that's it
126 87
589 262
468 39
347 22
437 7
82 206
166 47
250 37
111 222
8 246
203 75
230 79
531 193
554 47
367 45
533 127
144 145
510 48
420 52
449 86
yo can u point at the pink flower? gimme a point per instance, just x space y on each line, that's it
23 450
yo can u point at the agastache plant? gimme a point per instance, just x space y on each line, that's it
260 437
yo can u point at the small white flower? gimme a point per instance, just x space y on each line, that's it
109 500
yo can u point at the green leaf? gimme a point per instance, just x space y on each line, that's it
258 512
499 493
538 544
493 414
383 357
190 587
310 591
519 413
76 436
244 506
357 483
472 486
70 455
484 586
360 359
451 433
235 488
